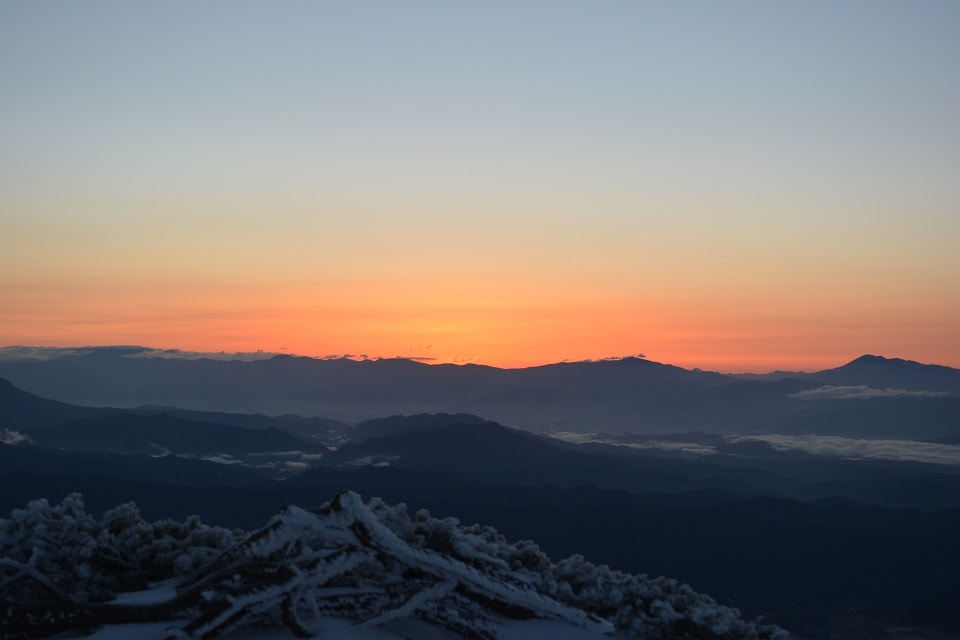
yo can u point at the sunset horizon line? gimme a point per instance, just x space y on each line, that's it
35 352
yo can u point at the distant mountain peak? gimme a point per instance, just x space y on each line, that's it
895 373
875 361
869 359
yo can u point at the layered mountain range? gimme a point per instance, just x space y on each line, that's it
801 497
868 397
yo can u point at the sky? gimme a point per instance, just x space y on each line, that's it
735 186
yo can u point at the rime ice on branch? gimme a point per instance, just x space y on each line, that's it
369 563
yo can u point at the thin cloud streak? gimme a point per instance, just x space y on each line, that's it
861 392
818 445
856 449
246 356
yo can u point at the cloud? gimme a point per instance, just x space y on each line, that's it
9 436
53 353
826 446
40 353
670 445
221 459
629 356
857 449
177 354
864 393
621 441
371 461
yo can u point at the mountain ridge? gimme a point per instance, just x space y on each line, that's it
35 353
625 395
883 372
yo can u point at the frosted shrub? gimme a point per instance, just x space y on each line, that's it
637 605
367 562
64 549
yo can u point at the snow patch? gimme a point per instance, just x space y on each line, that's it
160 592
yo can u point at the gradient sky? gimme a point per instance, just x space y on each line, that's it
726 185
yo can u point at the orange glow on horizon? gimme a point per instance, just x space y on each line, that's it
395 186
519 324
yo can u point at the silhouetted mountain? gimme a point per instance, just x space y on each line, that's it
492 454
132 430
869 397
163 433
495 455
482 452
702 518
82 464
738 407
537 397
312 429
22 410
380 427
723 513
891 373
904 418
773 375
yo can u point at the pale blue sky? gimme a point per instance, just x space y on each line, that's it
723 96
713 142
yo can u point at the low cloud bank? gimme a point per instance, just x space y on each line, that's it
631 443
864 393
40 353
850 448
826 446
54 353
246 356
9 436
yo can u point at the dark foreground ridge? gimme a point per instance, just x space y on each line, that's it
369 563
